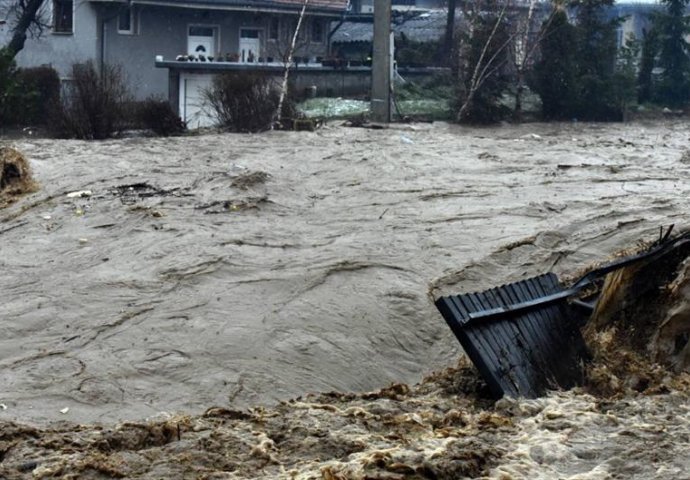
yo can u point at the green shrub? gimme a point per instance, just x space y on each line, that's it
578 76
38 91
158 116
8 85
410 53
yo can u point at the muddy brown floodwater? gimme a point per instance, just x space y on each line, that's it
237 270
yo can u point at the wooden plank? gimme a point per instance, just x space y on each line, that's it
512 340
493 348
525 352
486 362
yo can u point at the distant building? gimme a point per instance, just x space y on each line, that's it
353 39
636 20
133 33
367 6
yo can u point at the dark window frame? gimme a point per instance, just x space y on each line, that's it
128 12
316 31
274 28
63 16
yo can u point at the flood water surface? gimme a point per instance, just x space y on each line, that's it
244 269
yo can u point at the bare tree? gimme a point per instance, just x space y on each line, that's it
25 18
288 63
517 46
491 57
449 38
526 39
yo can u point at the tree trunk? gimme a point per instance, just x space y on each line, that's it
27 16
283 90
449 44
519 90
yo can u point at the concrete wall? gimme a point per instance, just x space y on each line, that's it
163 31
62 50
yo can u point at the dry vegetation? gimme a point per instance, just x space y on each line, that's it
15 176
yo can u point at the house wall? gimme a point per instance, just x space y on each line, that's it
635 22
163 31
61 50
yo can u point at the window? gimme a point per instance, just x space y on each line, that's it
198 31
125 21
274 28
316 31
249 33
63 16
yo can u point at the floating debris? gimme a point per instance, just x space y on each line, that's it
15 176
225 206
639 333
250 179
80 194
131 193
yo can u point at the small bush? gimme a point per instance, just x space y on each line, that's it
243 101
158 116
38 90
410 53
8 85
92 105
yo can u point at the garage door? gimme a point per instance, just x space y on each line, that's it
193 108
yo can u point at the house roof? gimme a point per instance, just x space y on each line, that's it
284 5
422 27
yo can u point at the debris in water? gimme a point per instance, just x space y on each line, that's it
525 337
80 194
130 193
639 333
249 179
225 206
15 176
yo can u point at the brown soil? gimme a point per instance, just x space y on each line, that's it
639 332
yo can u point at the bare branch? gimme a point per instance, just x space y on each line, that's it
288 63
480 66
26 18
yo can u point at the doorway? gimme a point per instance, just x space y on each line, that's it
250 44
202 40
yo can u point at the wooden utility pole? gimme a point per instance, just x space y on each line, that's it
381 63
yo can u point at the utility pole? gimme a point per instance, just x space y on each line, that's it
381 63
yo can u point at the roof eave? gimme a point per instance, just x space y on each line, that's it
321 11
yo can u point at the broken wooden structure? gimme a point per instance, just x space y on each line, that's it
524 337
